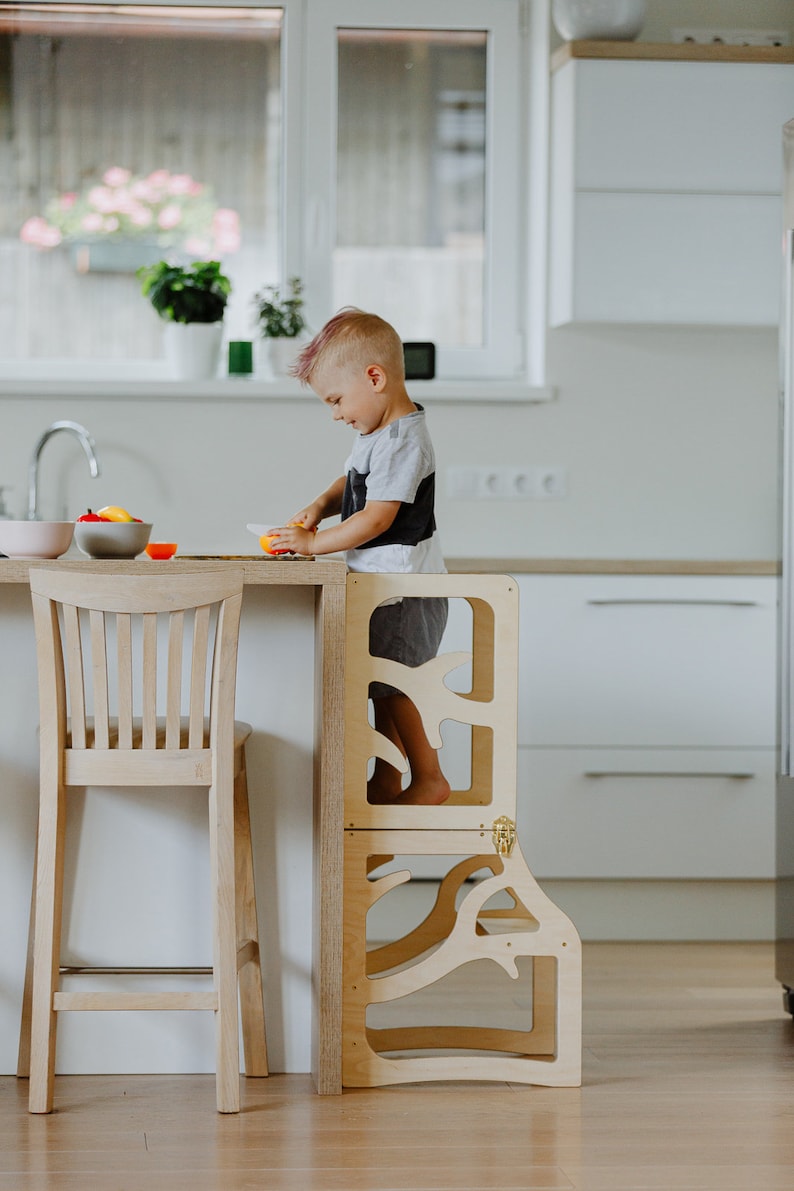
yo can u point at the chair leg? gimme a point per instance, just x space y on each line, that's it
46 944
224 943
252 1006
23 1054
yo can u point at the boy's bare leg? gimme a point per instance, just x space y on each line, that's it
428 785
385 785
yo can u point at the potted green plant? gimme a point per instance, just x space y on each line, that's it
192 301
281 323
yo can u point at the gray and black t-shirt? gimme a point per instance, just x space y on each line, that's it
396 463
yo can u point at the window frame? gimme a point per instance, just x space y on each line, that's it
511 365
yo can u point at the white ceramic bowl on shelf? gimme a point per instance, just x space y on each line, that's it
112 539
599 20
35 539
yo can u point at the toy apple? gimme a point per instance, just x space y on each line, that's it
91 516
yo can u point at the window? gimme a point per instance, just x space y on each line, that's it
375 148
413 146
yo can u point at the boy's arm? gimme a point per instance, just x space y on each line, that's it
361 527
327 504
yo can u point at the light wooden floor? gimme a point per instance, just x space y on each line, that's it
689 1084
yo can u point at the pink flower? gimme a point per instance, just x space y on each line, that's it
92 222
116 176
225 218
144 191
37 231
102 199
181 184
68 200
169 217
226 241
158 179
140 216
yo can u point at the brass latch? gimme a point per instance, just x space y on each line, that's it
503 835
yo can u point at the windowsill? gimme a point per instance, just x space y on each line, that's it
154 388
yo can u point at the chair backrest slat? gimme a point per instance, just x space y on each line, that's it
125 686
73 650
173 700
99 669
149 681
198 677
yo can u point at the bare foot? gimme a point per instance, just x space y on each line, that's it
381 793
427 792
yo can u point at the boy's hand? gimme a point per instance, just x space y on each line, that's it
311 516
294 539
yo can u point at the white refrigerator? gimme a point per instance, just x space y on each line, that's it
784 900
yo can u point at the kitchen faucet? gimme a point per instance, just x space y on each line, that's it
86 442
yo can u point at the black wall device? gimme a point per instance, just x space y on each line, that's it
420 361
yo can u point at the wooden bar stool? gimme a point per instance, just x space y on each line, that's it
411 1008
113 650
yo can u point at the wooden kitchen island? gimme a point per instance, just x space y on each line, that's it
304 584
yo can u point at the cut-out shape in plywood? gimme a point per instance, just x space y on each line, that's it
488 709
433 1003
413 1002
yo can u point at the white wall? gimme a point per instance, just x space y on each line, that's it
668 435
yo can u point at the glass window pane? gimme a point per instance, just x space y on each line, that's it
411 161
127 136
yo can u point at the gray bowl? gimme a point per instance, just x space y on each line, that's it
112 539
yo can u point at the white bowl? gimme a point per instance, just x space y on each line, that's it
35 539
602 20
112 539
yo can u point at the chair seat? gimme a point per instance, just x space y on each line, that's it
178 765
241 733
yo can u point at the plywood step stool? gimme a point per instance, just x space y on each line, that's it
407 1010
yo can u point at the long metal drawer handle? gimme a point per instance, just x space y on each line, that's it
716 603
663 773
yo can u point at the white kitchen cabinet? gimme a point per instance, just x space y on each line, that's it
647 726
655 661
666 180
647 813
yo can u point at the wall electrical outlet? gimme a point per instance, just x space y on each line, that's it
501 482
760 37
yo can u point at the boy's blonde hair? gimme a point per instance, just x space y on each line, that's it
352 339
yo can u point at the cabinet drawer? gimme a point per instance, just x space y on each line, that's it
685 126
666 258
660 661
647 813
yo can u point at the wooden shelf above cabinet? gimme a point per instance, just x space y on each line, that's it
689 51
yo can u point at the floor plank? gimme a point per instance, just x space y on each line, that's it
688 1086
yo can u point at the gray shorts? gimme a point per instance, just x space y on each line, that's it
409 632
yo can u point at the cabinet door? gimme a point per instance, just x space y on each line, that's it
647 813
668 258
677 126
661 661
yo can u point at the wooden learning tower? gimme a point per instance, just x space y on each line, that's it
416 1007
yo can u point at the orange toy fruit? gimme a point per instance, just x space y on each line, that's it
266 542
161 550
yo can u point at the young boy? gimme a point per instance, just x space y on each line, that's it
386 500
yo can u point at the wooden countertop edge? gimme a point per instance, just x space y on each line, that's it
258 572
316 573
671 52
609 566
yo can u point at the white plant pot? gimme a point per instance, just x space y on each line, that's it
605 20
278 355
193 350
